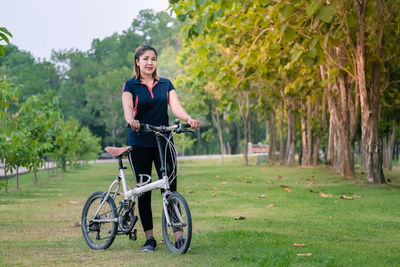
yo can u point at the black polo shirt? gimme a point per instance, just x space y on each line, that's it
150 106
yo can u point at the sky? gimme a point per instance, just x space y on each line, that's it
38 26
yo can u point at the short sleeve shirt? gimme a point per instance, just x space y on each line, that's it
150 106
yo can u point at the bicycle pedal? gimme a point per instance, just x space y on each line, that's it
133 236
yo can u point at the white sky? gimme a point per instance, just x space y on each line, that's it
38 26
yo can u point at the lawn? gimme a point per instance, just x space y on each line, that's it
278 207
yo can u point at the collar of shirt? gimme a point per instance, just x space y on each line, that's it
136 81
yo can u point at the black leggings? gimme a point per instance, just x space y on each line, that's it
141 160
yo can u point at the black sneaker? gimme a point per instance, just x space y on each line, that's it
180 242
150 244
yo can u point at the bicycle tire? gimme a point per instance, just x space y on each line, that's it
180 217
91 230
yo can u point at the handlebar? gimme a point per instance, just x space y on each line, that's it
179 128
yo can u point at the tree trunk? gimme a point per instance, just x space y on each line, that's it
48 169
289 135
306 134
198 141
392 140
17 178
318 137
340 103
228 148
369 100
5 175
244 108
293 135
238 133
272 137
217 123
384 141
305 159
348 166
310 130
330 143
35 178
281 136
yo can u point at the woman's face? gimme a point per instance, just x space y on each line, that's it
147 62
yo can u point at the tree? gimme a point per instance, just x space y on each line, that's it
31 76
38 117
4 35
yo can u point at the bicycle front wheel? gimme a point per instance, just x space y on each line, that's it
177 231
99 225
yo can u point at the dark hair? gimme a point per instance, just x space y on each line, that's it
140 51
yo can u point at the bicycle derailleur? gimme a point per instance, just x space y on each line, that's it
127 218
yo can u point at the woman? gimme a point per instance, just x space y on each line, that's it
145 99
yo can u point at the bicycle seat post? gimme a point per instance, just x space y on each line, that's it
121 166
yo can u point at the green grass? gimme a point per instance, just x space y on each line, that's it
37 223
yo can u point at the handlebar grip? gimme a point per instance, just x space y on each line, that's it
127 125
186 125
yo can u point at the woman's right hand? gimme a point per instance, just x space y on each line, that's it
135 124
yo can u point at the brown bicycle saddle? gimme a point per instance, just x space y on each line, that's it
118 151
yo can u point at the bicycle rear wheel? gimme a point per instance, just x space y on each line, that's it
178 233
99 230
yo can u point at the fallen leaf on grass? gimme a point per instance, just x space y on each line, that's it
270 182
73 202
304 254
217 176
214 189
299 245
393 189
351 197
240 218
161 242
279 177
190 191
271 206
314 191
262 196
214 195
224 182
347 197
288 189
325 195
76 224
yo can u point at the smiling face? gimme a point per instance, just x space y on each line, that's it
147 63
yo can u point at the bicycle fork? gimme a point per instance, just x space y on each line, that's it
113 195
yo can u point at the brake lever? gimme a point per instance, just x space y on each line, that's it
191 132
143 128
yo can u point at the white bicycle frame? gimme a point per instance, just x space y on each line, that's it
135 192
139 189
